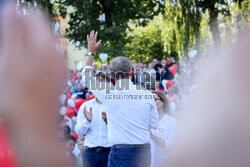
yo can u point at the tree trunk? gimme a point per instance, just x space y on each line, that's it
214 28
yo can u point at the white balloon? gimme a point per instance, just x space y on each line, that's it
63 110
103 56
69 83
62 99
192 54
71 103
74 96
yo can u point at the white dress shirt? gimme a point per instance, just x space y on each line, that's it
167 131
130 113
96 130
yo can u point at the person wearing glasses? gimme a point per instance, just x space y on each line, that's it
164 136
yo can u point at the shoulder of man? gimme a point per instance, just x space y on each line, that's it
86 103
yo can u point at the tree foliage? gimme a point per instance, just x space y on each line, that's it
187 25
177 31
112 30
145 29
146 43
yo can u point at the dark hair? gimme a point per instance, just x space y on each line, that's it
162 96
70 137
174 54
158 58
66 130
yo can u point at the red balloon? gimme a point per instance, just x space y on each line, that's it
68 95
173 68
79 102
70 111
169 83
75 135
75 76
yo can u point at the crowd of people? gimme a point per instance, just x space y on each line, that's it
84 121
123 114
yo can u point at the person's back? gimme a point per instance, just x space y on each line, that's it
130 115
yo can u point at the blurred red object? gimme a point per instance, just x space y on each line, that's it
79 102
75 76
173 68
75 135
166 63
91 96
68 95
7 154
70 111
113 81
170 83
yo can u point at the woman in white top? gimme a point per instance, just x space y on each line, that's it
164 136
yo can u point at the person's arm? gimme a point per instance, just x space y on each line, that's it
99 89
92 47
158 140
170 136
82 124
72 124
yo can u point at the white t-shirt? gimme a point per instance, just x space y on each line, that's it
167 131
130 112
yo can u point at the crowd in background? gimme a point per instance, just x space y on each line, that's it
137 127
177 85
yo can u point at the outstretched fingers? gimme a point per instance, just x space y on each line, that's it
95 37
98 43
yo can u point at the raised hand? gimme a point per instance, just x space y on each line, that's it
161 70
92 45
88 115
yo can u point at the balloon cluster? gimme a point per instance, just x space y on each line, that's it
73 104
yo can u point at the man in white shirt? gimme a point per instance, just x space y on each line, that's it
131 111
91 123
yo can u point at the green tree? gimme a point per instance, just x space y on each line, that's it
214 8
115 14
177 30
184 32
146 43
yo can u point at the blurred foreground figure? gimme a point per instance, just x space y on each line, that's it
216 130
31 72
